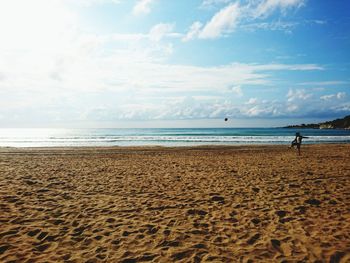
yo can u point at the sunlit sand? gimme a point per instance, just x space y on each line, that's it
203 204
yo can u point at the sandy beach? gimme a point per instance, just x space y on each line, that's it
185 204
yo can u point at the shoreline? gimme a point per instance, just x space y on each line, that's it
166 137
233 146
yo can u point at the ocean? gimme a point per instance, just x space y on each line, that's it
164 137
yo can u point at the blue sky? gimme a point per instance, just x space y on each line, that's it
162 63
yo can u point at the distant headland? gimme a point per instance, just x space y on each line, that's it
343 123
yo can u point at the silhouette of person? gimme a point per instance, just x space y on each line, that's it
297 141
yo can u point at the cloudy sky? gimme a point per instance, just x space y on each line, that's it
144 63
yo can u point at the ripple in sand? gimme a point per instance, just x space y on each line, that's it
313 202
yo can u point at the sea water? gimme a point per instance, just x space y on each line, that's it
165 137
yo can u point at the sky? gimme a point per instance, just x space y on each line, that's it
164 63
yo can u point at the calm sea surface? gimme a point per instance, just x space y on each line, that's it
164 137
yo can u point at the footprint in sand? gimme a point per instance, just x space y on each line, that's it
33 232
196 212
301 209
218 198
253 239
167 232
256 221
337 256
42 235
314 202
181 255
42 247
169 243
281 213
3 248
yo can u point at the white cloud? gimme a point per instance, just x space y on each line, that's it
142 7
160 30
235 15
237 90
284 26
213 3
256 111
190 107
292 108
325 83
292 67
81 66
91 2
125 37
2 76
252 101
51 54
298 94
267 109
266 7
57 71
319 22
194 31
222 22
327 97
157 33
339 95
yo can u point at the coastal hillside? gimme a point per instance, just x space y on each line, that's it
343 123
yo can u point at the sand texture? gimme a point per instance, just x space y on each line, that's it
205 204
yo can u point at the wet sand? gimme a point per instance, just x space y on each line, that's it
153 204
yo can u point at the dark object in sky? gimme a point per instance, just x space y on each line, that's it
226 119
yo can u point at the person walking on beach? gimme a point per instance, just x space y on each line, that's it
297 141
